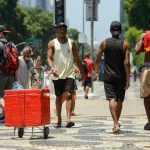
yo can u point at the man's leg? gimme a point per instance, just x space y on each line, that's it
59 107
73 103
113 110
147 108
68 105
118 109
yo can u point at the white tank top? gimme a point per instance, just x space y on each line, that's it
63 60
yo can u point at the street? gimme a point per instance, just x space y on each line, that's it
93 126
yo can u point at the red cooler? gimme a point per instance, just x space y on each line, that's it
30 107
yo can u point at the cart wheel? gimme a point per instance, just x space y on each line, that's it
20 132
46 132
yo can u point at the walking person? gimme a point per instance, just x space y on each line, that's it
88 81
6 78
144 46
117 70
25 68
61 52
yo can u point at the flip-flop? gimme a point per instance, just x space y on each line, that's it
70 124
147 127
73 114
57 125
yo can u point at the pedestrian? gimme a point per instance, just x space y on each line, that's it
144 46
25 68
116 72
73 95
61 54
6 79
88 81
39 70
134 75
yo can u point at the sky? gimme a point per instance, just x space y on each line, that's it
108 11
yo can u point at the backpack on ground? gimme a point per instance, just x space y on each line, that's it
10 62
146 41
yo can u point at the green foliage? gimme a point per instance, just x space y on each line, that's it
12 16
137 12
132 36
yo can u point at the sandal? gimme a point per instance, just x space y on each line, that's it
73 114
58 124
147 127
70 124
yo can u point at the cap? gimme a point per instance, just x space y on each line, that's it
61 24
148 19
115 28
3 29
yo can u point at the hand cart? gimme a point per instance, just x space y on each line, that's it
27 107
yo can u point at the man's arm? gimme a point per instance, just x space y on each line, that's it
126 48
77 59
99 55
50 53
139 46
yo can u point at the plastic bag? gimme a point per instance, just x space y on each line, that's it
17 85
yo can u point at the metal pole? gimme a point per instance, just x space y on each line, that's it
83 32
92 37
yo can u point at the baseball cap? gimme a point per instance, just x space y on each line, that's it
61 24
3 29
115 28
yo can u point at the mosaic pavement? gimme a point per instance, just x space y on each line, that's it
87 134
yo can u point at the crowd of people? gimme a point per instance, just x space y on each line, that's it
64 61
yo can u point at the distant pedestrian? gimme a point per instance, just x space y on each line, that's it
144 46
116 72
6 78
25 66
134 75
88 81
61 53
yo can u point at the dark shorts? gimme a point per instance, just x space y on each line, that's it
115 90
88 82
5 84
64 85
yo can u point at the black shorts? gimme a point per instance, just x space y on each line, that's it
64 85
88 82
115 90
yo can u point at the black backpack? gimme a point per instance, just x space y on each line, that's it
84 64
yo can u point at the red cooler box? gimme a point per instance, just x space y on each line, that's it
30 107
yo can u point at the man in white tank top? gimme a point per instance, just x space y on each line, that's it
60 56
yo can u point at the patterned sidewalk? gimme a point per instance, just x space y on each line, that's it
88 134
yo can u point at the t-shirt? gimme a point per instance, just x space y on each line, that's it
24 71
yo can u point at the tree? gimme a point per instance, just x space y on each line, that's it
137 12
12 16
39 25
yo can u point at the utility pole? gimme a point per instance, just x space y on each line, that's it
92 37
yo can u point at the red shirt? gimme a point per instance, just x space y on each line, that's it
89 66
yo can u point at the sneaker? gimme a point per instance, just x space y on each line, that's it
147 127
85 96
